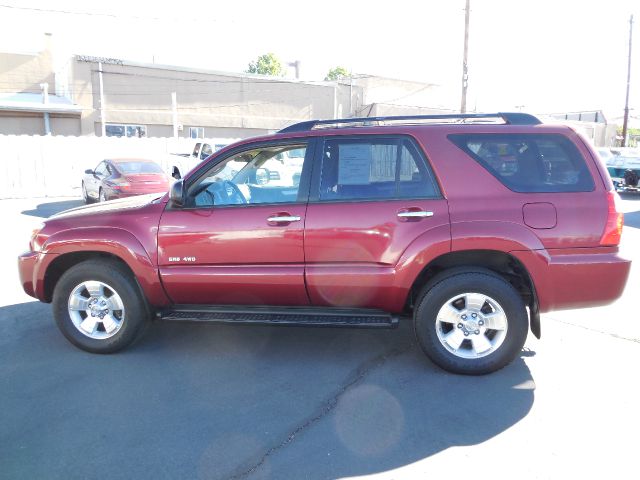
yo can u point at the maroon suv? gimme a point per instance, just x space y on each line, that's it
471 224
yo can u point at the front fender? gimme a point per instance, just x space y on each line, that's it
110 240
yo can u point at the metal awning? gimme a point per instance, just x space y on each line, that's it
32 102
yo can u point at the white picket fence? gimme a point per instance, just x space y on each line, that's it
47 166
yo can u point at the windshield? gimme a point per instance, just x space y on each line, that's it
130 168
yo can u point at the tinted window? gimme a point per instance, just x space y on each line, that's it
374 169
529 163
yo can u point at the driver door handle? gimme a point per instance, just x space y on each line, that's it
415 214
283 218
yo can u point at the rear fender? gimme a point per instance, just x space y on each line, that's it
491 235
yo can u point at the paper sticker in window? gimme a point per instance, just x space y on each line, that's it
354 166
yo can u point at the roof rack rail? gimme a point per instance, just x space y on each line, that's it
510 118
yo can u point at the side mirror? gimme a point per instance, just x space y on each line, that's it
176 194
175 173
89 171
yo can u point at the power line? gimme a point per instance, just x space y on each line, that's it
69 12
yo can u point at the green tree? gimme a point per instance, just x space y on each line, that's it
267 64
337 73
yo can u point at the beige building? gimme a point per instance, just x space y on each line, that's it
41 94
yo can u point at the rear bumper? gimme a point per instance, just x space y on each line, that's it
576 278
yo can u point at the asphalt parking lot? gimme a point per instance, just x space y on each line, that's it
233 402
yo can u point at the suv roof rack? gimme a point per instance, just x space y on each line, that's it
510 118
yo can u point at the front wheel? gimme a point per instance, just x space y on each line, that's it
101 196
471 323
98 306
85 194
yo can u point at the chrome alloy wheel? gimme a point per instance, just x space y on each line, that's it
96 310
471 325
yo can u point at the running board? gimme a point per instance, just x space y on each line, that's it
289 316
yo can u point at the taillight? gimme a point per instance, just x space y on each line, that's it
615 221
120 184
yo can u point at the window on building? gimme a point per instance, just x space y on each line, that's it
196 132
115 130
372 169
120 130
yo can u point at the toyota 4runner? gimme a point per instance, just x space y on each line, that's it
473 225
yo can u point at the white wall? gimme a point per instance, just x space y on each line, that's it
40 166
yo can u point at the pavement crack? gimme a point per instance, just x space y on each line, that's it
614 335
326 407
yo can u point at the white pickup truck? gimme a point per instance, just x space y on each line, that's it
186 161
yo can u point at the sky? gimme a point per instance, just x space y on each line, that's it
540 56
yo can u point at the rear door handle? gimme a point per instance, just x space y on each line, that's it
415 214
283 218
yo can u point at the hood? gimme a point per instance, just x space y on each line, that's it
111 206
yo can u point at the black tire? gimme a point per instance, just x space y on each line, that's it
438 293
120 279
101 196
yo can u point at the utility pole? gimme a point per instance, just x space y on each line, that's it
174 113
626 103
102 105
465 70
45 101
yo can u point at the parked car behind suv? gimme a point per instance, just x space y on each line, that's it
471 225
123 177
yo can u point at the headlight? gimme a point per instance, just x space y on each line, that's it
35 244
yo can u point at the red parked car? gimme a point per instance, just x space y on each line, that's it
468 226
123 177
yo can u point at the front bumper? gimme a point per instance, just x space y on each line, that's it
26 269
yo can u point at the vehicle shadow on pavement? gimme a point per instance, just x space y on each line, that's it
632 219
45 210
200 401
629 196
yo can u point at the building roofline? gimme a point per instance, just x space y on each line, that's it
204 71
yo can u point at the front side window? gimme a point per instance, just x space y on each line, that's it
101 169
258 176
380 168
529 162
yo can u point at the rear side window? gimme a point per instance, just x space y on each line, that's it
374 168
529 163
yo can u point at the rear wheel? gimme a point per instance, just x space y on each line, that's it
98 306
471 323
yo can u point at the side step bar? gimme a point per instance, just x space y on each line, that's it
289 316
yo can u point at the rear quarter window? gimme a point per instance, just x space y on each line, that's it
529 163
